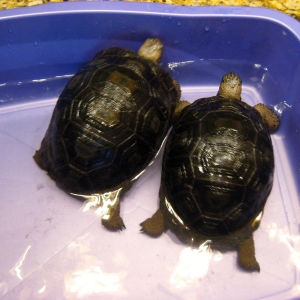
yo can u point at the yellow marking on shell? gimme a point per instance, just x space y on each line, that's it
122 80
257 220
108 114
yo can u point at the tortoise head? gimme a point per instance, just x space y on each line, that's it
230 87
151 49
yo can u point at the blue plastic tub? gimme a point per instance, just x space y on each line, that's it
53 248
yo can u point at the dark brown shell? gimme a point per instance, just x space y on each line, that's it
218 166
108 123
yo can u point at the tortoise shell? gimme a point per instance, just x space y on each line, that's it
108 123
218 166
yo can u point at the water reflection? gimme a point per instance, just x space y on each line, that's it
3 288
88 276
280 107
172 211
287 240
174 65
103 202
292 242
17 268
193 264
42 289
92 280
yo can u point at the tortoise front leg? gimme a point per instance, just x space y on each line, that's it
269 117
110 208
246 255
180 105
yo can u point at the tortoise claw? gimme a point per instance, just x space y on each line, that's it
114 224
250 266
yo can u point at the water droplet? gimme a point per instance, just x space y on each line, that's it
10 30
206 28
178 23
224 20
280 107
36 43
176 42
170 18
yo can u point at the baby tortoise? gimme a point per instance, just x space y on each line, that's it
217 172
108 124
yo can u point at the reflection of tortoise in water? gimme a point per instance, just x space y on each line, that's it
108 125
217 172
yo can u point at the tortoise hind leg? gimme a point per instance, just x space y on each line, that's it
111 220
246 255
155 225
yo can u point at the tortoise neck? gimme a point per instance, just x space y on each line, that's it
229 96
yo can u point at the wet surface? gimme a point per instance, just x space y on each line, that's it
52 248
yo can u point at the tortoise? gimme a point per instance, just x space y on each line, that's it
217 173
108 125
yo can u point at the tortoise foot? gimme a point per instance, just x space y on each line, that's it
154 226
115 223
249 264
